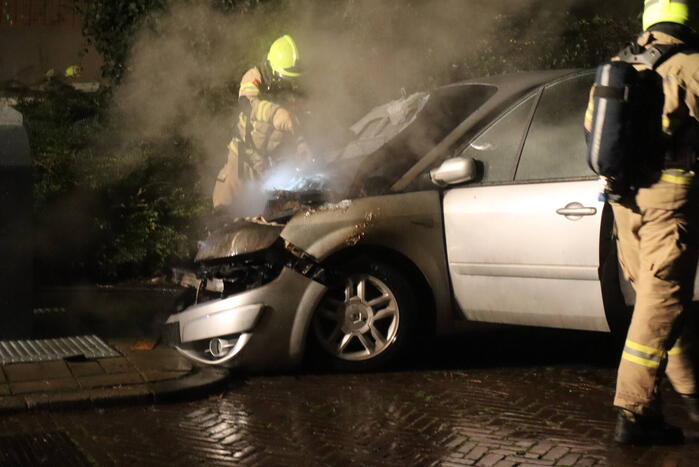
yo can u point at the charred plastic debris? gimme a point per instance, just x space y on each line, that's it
256 256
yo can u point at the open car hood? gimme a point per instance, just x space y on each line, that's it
389 140
329 179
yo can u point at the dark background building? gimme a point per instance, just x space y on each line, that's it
15 226
39 35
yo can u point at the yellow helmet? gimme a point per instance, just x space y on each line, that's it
662 11
283 57
73 71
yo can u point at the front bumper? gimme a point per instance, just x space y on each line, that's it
266 327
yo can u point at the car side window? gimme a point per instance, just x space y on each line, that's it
496 148
555 146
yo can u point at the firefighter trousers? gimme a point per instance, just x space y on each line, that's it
657 251
229 181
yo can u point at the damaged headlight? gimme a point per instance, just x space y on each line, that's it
228 276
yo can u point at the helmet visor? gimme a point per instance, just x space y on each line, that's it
290 72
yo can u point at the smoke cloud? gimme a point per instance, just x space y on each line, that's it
184 68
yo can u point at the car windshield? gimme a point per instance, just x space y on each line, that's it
443 111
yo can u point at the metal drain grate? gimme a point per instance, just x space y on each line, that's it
41 449
40 350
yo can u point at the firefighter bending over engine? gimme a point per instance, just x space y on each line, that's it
265 131
643 124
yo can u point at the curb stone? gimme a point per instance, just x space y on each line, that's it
196 384
201 381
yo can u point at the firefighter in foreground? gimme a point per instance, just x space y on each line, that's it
265 131
652 187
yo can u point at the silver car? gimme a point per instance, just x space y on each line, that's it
472 202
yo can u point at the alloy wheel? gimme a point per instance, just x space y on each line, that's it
358 322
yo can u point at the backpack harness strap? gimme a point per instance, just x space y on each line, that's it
651 57
634 54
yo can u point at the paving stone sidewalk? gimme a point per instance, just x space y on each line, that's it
498 397
143 373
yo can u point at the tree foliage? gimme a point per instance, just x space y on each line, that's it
105 213
111 25
569 42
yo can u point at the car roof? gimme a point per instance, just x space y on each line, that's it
513 85
520 79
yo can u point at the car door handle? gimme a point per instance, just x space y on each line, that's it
574 211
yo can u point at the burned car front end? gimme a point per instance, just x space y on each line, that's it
340 262
274 289
249 287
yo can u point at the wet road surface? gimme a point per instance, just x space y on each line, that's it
493 396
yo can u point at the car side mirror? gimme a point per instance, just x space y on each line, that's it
453 171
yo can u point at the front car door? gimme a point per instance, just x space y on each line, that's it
523 242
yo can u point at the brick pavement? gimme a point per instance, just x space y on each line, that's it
139 374
474 403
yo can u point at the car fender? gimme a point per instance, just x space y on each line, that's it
407 223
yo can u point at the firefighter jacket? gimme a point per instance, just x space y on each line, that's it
265 132
680 75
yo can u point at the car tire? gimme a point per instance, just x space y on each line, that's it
367 321
617 312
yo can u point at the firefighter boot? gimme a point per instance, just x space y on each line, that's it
645 429
691 402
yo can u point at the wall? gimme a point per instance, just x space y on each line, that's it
15 227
